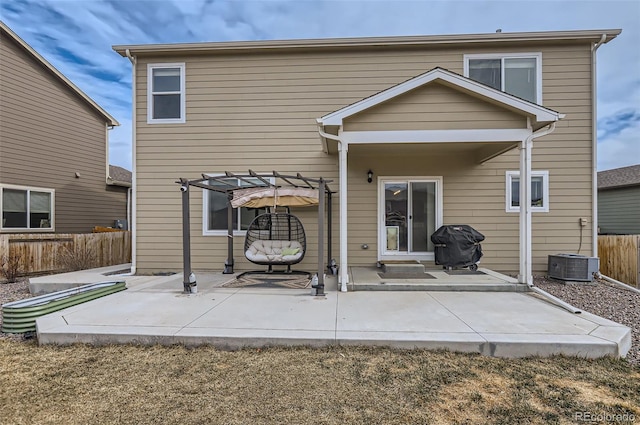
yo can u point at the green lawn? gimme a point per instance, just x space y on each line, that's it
337 385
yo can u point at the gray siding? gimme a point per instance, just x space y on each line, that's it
619 211
47 134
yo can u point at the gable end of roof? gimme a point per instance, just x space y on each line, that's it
452 80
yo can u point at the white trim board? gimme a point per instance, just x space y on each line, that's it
436 136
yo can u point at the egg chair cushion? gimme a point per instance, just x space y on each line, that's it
274 251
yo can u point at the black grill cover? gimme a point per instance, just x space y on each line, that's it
457 245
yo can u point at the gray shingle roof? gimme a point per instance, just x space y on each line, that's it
119 175
618 177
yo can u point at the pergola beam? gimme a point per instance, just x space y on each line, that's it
259 177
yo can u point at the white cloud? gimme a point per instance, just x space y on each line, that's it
621 150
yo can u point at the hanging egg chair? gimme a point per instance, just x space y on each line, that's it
275 239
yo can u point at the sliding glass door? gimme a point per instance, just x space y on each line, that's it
410 213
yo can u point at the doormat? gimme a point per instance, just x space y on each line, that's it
407 276
269 281
462 272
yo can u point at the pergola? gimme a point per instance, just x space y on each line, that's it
228 184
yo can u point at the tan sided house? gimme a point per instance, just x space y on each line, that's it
415 132
54 174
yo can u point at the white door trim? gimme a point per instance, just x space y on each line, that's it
382 255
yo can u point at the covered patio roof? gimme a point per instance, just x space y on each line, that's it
495 140
482 138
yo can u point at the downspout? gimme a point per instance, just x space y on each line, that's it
526 275
526 268
618 283
594 148
134 192
107 127
129 190
343 147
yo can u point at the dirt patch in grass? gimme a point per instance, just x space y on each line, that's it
335 385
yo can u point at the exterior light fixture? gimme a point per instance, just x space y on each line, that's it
369 176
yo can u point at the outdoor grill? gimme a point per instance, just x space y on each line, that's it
457 246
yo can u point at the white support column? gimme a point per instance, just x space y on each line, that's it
527 212
522 226
344 271
526 251
526 272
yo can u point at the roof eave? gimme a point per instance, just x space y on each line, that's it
370 42
620 186
112 182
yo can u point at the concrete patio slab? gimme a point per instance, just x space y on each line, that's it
436 279
61 281
271 311
505 324
399 312
526 345
511 313
464 342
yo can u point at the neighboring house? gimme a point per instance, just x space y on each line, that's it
119 176
53 149
438 120
619 201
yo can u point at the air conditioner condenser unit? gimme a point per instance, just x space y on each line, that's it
572 267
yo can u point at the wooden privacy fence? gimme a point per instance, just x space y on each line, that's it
620 257
51 253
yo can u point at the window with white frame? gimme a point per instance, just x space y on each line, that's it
26 208
519 74
166 93
215 208
539 191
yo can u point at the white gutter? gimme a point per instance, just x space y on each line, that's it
343 147
526 268
134 192
594 148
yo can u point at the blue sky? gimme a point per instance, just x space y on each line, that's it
76 37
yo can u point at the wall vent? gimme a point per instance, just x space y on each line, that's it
572 267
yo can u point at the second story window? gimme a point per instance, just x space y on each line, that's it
517 74
166 93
